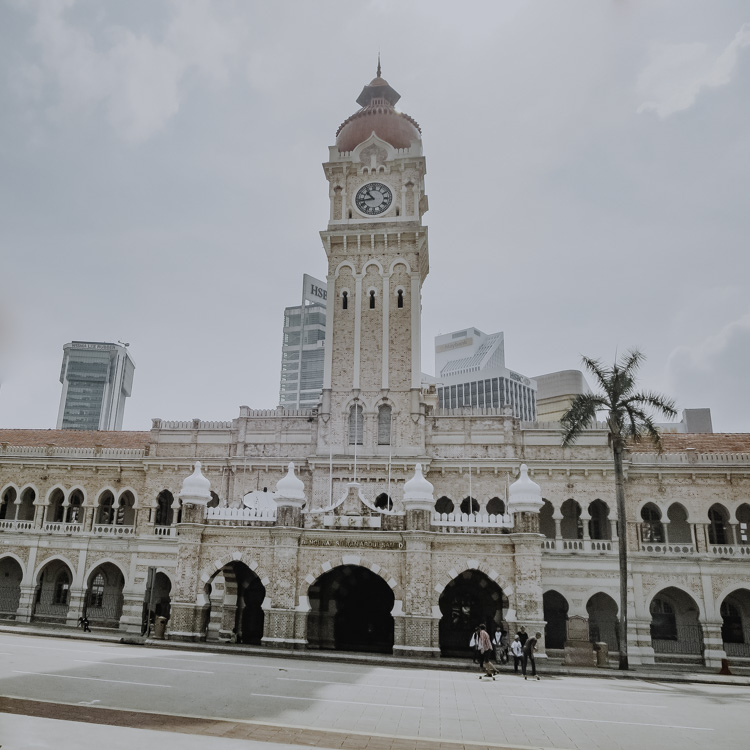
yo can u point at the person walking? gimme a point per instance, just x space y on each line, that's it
523 636
517 650
474 645
528 656
486 651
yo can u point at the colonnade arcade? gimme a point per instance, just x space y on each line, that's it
675 628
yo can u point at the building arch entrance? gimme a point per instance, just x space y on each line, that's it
11 575
470 599
234 612
350 610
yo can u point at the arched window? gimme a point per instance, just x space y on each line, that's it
96 595
496 507
383 502
469 505
599 526
400 302
345 297
444 505
164 508
62 588
717 528
652 529
384 425
663 621
75 511
355 425
372 299
106 513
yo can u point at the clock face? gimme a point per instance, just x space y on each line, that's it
374 198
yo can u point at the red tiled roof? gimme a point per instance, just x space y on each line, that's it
718 442
76 438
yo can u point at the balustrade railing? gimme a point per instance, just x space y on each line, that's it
741 650
730 550
165 531
60 527
10 525
580 545
240 516
108 529
663 548
473 520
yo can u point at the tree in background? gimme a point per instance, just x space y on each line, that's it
628 415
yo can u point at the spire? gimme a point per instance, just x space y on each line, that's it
378 73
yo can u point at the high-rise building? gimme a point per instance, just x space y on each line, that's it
470 370
97 377
303 349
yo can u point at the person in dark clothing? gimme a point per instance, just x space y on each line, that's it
528 656
523 636
84 623
487 652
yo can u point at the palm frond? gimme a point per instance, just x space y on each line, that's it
598 370
659 403
580 415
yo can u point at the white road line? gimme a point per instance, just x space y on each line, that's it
351 684
142 666
608 721
329 700
95 679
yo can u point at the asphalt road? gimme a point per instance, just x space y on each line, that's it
556 712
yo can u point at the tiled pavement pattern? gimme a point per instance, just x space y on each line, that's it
244 730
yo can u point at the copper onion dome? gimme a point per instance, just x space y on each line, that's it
378 115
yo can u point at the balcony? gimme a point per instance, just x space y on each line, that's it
587 546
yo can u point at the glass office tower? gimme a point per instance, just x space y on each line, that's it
97 377
303 349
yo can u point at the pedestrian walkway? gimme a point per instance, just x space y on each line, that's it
547 667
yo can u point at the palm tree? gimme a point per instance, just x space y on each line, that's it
628 418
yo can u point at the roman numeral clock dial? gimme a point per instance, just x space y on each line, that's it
373 199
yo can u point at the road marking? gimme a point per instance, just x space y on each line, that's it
351 684
609 721
330 700
142 666
95 679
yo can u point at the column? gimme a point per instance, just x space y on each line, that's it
357 330
414 618
281 593
131 619
713 644
386 330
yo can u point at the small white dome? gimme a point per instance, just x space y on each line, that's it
196 488
290 487
525 494
418 492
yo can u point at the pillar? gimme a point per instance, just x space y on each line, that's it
713 644
280 607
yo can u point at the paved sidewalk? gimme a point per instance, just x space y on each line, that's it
660 672
238 730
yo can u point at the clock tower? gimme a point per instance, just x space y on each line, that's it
377 254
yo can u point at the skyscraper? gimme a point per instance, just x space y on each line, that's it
97 377
303 352
470 369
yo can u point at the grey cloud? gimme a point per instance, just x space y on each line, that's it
715 373
678 73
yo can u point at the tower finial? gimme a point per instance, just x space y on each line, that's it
378 64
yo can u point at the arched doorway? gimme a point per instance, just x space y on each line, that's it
676 633
556 616
468 600
602 611
11 574
735 627
235 594
103 604
52 595
157 601
350 610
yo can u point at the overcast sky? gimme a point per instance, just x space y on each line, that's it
160 183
